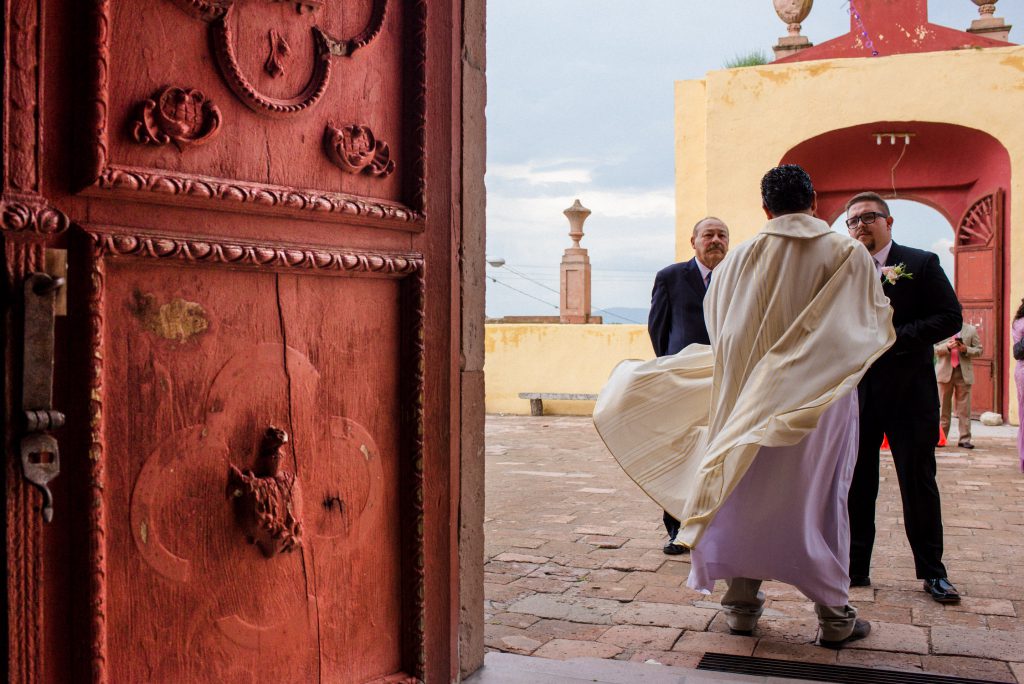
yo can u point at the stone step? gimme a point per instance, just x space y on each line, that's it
507 668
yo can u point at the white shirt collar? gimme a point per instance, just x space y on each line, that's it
704 270
881 256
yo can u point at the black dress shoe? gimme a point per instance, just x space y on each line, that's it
941 590
860 581
861 628
674 549
965 445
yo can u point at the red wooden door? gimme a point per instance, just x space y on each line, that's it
978 251
256 364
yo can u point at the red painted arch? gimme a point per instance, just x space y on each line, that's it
945 166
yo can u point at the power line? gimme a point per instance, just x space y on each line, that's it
604 311
495 280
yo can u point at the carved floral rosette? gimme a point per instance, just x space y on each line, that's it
354 149
183 116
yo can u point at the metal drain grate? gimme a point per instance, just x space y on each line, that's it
844 674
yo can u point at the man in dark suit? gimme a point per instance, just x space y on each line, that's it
677 311
898 398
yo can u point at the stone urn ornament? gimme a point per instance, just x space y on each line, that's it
986 8
793 12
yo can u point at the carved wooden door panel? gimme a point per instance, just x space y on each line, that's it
978 250
256 364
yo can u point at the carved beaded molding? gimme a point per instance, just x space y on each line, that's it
156 185
257 195
236 253
408 267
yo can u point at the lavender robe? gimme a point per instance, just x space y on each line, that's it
803 538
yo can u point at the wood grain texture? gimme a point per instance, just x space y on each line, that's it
221 287
318 342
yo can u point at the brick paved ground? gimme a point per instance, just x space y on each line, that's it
575 567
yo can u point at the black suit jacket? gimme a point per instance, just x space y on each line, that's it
677 309
925 311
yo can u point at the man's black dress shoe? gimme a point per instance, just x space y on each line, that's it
861 628
860 581
673 549
941 590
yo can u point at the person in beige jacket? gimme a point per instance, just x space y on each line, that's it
955 375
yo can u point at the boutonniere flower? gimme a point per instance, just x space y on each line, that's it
891 274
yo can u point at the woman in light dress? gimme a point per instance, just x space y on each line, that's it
1017 333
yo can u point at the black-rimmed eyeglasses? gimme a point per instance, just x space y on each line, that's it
867 218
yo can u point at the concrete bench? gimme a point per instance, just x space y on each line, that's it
537 399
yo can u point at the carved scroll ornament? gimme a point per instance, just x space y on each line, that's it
183 116
266 498
218 14
353 148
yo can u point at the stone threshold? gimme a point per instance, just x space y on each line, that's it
507 668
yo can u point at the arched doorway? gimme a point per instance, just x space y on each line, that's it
964 174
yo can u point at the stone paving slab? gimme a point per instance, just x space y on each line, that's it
574 569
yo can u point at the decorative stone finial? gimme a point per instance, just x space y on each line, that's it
793 12
986 8
989 25
576 214
574 293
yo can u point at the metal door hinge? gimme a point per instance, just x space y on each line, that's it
40 454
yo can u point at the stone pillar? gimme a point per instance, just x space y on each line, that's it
792 12
990 25
575 280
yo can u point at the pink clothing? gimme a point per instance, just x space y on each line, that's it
787 519
1016 333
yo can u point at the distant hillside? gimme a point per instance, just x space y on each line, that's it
623 314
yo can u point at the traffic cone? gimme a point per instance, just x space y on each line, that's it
885 442
942 438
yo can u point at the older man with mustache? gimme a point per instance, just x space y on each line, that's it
677 312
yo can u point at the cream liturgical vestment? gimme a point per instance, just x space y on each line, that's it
795 315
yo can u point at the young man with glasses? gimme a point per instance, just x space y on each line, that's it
899 398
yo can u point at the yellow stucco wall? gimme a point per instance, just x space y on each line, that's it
736 124
555 358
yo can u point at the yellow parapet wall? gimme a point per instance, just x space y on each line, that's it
735 124
550 357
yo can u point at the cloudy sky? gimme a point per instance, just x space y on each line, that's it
580 105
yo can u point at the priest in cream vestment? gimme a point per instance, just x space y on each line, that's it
751 442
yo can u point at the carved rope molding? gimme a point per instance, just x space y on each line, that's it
257 195
414 357
407 266
97 479
31 214
100 174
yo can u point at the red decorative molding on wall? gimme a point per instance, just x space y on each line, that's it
31 213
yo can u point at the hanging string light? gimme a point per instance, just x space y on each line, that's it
868 42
